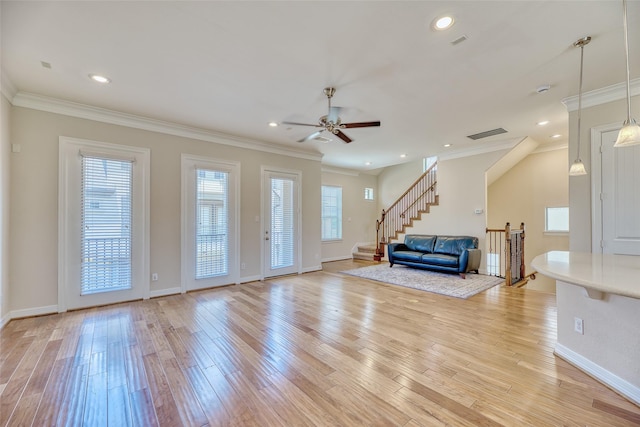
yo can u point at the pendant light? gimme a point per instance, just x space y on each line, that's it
630 132
577 168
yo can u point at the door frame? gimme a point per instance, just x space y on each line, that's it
596 184
69 150
264 170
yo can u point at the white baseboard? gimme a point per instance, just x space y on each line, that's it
620 385
36 311
338 258
165 292
312 268
4 320
248 279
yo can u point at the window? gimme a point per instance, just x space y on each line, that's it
427 162
283 235
368 193
105 224
557 219
331 213
212 240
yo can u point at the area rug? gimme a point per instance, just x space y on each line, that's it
440 283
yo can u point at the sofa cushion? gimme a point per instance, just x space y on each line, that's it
454 245
440 259
420 243
408 256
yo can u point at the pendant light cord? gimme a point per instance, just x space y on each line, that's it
580 96
626 50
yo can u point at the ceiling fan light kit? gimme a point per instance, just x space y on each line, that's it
630 132
331 122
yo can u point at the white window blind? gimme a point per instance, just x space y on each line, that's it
282 223
331 213
212 219
106 217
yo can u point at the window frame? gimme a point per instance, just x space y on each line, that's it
368 191
546 220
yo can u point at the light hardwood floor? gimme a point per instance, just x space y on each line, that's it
320 349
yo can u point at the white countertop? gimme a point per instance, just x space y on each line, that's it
615 274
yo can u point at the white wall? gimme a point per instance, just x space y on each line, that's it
540 180
5 154
34 200
358 215
461 188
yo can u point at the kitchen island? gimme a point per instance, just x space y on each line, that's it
598 303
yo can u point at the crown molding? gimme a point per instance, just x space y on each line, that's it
83 111
602 96
6 86
340 171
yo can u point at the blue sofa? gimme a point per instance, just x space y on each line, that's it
452 254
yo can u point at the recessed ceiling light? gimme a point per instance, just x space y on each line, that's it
447 145
542 123
368 163
100 79
403 155
273 124
442 23
557 135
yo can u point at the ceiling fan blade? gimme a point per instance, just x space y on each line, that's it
359 125
301 124
343 137
312 136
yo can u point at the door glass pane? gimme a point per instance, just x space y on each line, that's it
212 214
282 223
106 225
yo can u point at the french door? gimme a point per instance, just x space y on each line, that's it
103 222
209 222
281 234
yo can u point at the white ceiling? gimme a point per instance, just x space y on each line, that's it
233 66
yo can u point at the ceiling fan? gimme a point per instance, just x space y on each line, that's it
332 122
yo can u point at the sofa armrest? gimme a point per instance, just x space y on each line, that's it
473 258
391 247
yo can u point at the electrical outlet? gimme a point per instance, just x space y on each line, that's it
578 325
154 277
243 266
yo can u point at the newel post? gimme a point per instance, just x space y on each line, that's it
380 240
507 254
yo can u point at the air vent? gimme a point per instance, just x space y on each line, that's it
459 40
487 133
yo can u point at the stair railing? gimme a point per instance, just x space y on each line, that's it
506 254
401 214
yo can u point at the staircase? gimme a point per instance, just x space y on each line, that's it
364 251
409 207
